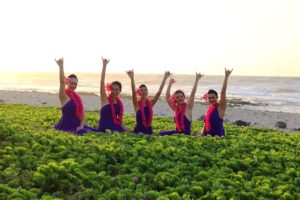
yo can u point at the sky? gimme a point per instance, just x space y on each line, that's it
255 37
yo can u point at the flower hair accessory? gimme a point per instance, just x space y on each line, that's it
173 99
107 87
138 91
67 80
205 97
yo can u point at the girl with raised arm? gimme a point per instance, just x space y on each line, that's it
182 109
111 106
72 119
143 106
213 120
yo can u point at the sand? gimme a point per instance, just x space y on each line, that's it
257 118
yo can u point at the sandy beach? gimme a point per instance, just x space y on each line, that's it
257 118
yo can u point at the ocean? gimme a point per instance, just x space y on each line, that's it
280 94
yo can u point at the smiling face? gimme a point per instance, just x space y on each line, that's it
72 83
179 97
115 90
212 97
143 91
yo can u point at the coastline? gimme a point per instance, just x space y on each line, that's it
256 118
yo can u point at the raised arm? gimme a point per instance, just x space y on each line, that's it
168 94
103 96
62 82
223 101
192 96
130 73
161 87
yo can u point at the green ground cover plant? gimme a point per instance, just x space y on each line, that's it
37 162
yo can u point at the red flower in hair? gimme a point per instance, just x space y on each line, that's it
173 99
138 91
67 80
205 97
107 87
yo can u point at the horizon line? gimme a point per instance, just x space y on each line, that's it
152 73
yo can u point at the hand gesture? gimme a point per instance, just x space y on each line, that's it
105 61
60 62
199 75
167 74
227 72
172 81
130 73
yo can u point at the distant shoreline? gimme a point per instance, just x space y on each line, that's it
232 102
254 93
256 118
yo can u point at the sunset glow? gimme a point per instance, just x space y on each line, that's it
253 37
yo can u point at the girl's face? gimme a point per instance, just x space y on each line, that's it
115 90
212 98
179 98
144 92
72 83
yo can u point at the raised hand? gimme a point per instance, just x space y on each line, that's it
167 74
223 101
105 61
103 95
130 73
228 72
168 94
192 97
199 75
62 83
60 62
172 81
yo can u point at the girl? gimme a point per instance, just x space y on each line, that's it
182 109
143 106
213 120
73 117
111 106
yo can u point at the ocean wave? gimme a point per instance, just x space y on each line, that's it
268 93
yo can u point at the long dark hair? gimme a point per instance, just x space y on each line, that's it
179 91
118 84
73 76
212 92
143 85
